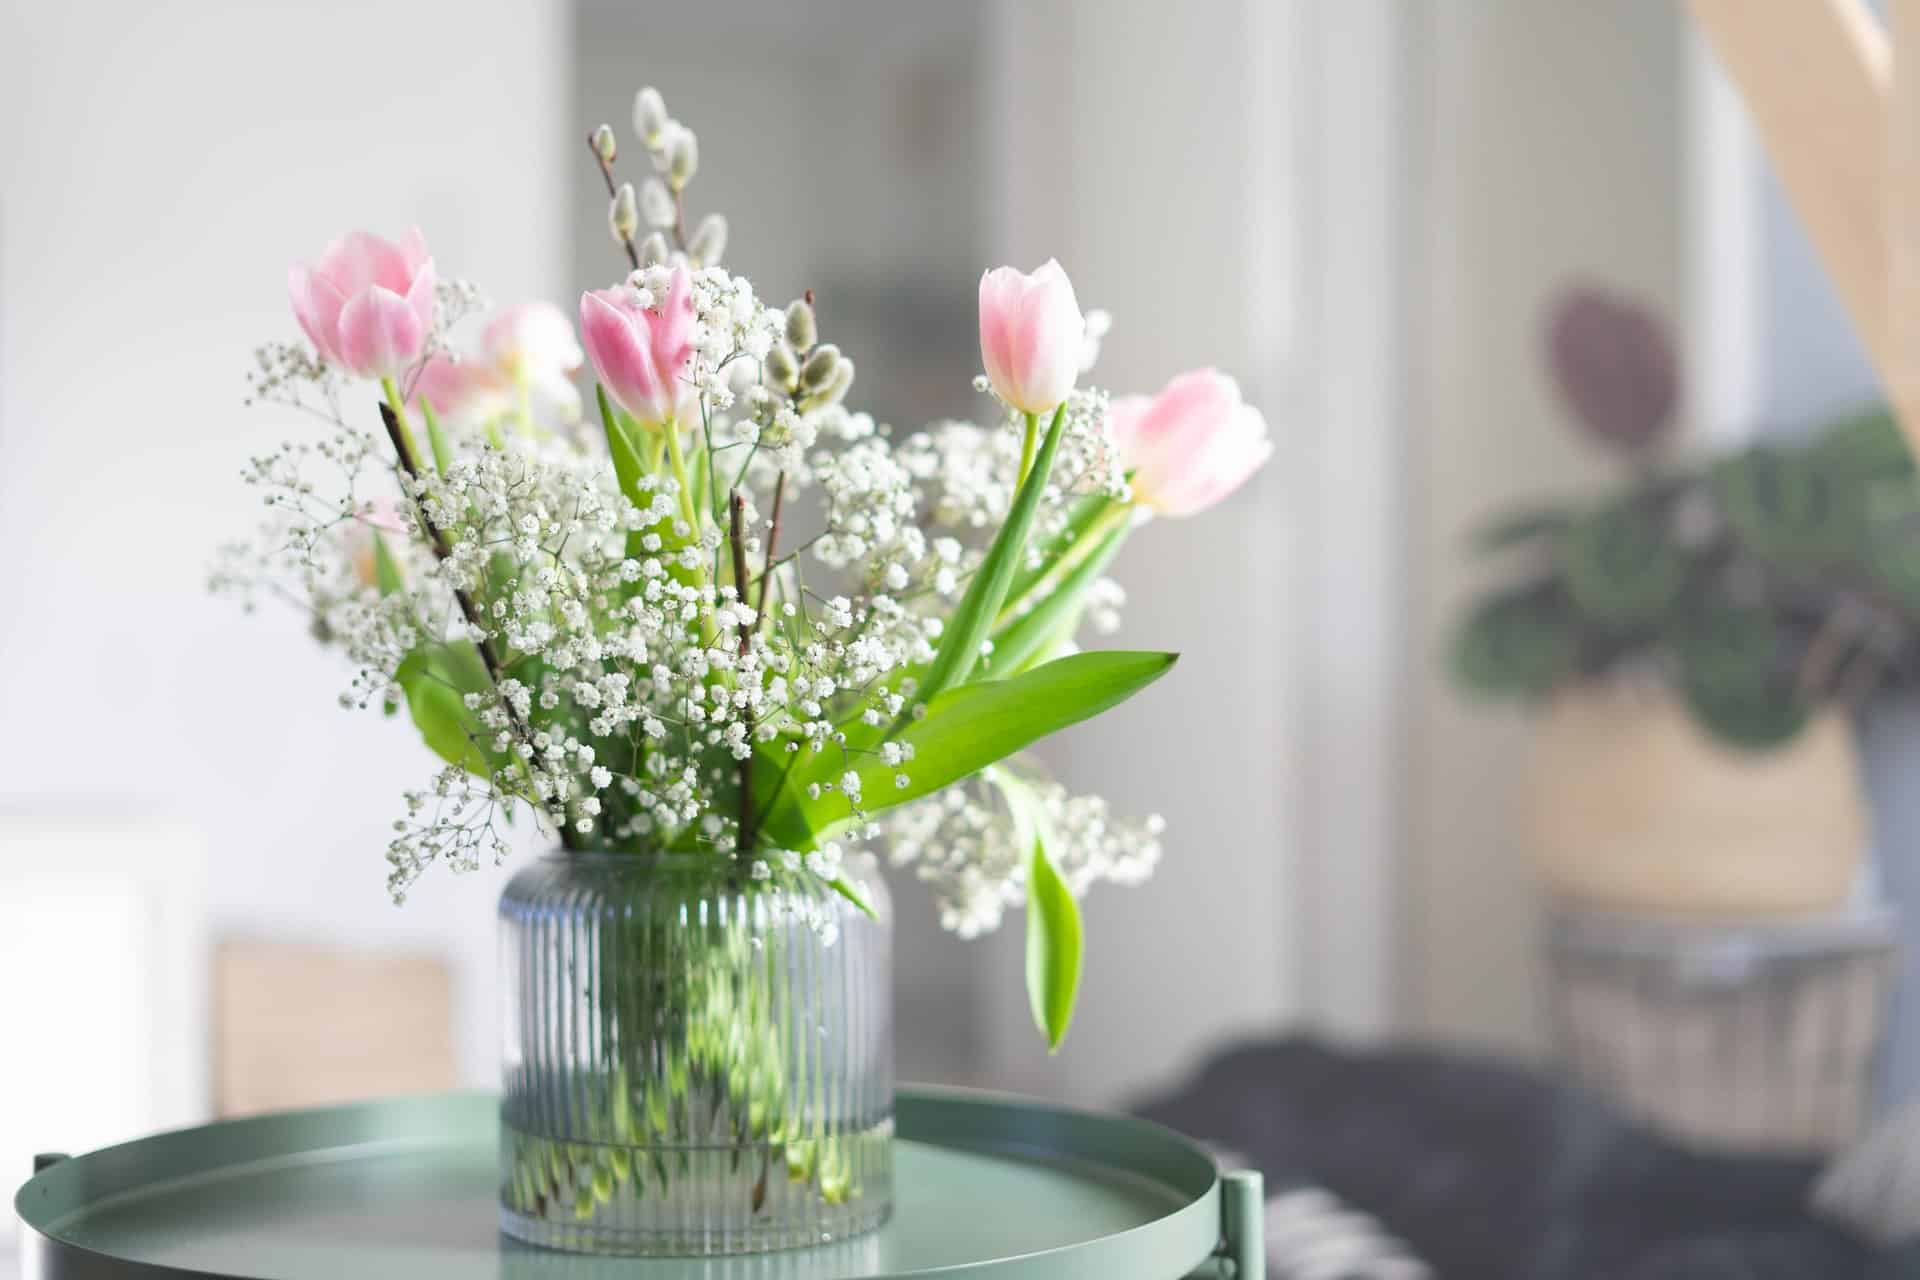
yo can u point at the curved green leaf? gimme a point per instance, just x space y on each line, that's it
436 438
1055 943
386 570
962 732
436 684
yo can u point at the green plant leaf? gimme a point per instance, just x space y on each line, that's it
1534 525
628 466
1520 643
436 438
1785 507
973 619
1059 613
1034 568
386 570
1621 568
963 731
436 682
1055 942
846 889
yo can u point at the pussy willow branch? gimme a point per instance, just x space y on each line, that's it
736 533
442 549
613 193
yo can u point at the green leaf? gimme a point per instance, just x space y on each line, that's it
1521 643
386 570
1082 517
845 888
1055 944
627 465
963 731
436 438
1032 633
972 621
436 683
1621 567
1524 526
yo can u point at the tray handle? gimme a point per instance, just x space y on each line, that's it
1242 1252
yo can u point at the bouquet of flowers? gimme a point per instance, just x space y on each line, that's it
723 613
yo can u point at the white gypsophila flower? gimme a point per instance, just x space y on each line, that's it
962 844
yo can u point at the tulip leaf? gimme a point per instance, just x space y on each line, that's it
436 438
1055 940
436 682
1036 631
386 570
1082 517
962 731
973 619
627 465
846 889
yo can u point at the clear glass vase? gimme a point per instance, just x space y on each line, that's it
696 1062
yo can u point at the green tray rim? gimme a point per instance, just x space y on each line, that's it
1173 1245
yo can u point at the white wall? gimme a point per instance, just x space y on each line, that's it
1552 137
1125 146
162 164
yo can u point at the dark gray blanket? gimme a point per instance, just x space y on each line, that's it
1492 1172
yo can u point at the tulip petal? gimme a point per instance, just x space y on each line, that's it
420 294
379 334
316 305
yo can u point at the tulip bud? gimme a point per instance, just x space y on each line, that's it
604 145
802 333
623 217
781 366
656 203
649 115
709 240
654 250
818 371
683 160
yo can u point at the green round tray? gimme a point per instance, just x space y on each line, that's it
985 1187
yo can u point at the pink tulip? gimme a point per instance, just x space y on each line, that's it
1031 335
462 391
367 304
1191 445
641 353
532 342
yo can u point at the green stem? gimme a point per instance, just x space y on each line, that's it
679 462
404 428
1026 448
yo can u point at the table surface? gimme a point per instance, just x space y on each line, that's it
984 1186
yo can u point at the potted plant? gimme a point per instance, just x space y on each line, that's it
1695 642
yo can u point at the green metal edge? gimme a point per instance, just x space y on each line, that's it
1171 1246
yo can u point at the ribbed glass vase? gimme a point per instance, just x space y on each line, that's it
696 1062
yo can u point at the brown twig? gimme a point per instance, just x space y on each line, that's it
736 533
613 193
442 549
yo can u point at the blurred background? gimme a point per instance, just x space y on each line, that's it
1370 212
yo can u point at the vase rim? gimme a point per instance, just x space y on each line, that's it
648 858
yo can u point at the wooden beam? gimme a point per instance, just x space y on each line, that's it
1817 76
